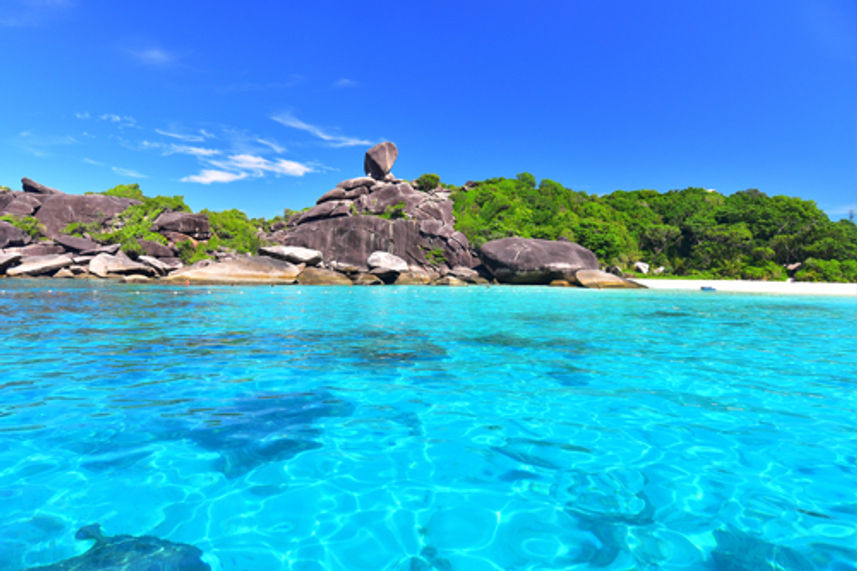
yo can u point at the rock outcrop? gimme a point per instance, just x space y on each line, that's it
12 236
194 225
603 280
59 210
535 261
379 160
241 270
364 215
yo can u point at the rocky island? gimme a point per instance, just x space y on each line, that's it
370 230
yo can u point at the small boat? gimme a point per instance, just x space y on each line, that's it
708 288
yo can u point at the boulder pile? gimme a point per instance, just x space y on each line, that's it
370 230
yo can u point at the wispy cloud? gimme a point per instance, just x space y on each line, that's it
200 136
344 82
237 167
272 145
128 172
209 176
119 120
175 149
154 57
289 120
249 86
30 13
41 145
89 161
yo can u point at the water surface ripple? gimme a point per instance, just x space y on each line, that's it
415 428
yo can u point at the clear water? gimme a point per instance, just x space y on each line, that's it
429 428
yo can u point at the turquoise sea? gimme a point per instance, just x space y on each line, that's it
420 428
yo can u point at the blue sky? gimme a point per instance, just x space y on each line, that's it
265 105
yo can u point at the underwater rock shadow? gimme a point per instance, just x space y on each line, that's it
265 429
129 553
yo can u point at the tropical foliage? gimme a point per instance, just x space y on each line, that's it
690 232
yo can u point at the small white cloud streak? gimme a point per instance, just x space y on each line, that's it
84 115
31 13
344 82
272 145
203 135
289 120
209 176
89 161
175 149
128 172
154 57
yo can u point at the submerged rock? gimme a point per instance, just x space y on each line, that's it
129 553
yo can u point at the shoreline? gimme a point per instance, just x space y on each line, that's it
749 286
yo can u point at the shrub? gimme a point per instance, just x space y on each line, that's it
234 230
27 224
427 182
394 211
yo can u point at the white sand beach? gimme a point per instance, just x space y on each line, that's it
747 286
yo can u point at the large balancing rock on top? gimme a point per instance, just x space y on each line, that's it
379 160
535 261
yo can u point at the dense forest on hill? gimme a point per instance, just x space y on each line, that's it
692 232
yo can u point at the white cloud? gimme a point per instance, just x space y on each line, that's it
89 161
344 82
289 120
84 115
30 13
272 145
203 135
128 172
260 165
154 57
175 149
209 176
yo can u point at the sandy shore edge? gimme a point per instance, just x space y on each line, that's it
747 286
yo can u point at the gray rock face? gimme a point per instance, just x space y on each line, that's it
320 276
156 250
379 160
105 265
75 243
39 265
12 236
43 249
60 210
293 254
535 261
10 259
34 187
364 215
243 270
194 225
21 204
603 280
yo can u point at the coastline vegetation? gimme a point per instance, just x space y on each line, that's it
27 224
694 233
